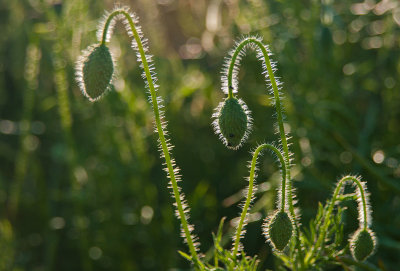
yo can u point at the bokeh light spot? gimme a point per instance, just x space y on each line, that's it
57 223
95 253
378 156
146 214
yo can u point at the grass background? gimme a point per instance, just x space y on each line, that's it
81 184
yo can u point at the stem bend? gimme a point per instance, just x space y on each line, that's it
230 85
242 221
363 207
130 22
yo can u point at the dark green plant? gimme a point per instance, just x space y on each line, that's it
297 250
86 76
315 248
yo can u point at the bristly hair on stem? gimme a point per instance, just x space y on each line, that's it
140 46
230 86
364 215
95 71
240 228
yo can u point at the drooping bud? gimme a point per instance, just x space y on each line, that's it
95 71
233 122
280 230
362 244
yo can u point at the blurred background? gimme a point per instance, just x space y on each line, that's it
81 184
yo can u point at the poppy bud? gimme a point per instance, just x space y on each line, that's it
97 68
280 230
232 122
362 244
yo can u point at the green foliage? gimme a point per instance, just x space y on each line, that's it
82 186
6 245
228 260
232 122
329 252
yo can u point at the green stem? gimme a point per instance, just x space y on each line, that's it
338 188
278 105
250 190
232 64
160 130
108 22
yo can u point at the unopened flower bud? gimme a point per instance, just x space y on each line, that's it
232 122
280 230
96 72
362 244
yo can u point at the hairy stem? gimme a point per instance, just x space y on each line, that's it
263 49
159 126
336 193
255 41
250 190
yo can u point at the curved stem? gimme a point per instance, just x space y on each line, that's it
250 190
278 105
159 126
108 22
255 41
264 51
338 188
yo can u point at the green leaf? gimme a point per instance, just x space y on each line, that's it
184 255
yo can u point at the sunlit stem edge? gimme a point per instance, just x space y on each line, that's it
251 186
338 188
160 130
278 107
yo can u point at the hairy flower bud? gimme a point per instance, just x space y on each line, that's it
280 230
95 71
232 122
362 244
